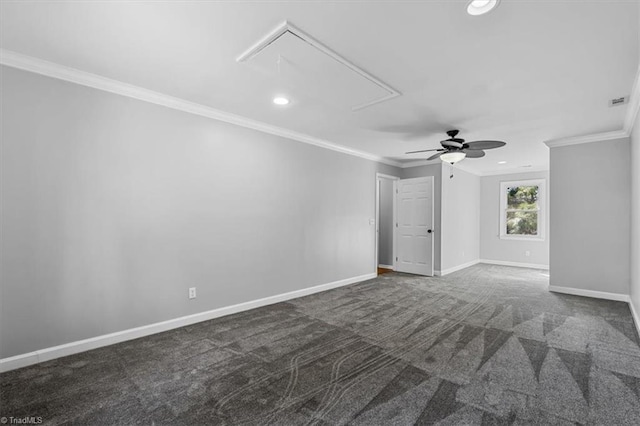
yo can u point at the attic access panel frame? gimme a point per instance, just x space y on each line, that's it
287 27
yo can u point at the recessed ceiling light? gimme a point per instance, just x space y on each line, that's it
280 100
502 162
480 7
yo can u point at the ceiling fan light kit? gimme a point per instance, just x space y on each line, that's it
453 157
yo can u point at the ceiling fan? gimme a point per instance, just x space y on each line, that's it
455 149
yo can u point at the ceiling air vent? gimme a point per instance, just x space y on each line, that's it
618 101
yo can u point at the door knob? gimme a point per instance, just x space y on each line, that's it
429 231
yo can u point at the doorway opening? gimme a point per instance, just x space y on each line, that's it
384 254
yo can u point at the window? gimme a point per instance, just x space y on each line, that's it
522 210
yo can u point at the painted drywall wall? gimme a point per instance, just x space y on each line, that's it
434 170
460 218
634 236
385 225
112 208
491 246
590 216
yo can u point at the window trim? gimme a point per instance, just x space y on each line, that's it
542 212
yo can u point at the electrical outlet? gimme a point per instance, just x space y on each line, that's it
527 253
192 292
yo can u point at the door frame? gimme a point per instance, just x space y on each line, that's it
380 176
395 220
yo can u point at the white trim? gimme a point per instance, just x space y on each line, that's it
47 354
377 216
633 106
507 237
456 268
515 264
395 224
514 171
286 27
265 41
594 137
541 183
384 176
377 224
629 120
418 163
634 314
385 266
61 72
590 293
461 166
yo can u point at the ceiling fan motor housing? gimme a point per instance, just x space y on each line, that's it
451 144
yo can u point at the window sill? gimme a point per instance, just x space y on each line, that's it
521 238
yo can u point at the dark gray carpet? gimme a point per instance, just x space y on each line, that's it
483 346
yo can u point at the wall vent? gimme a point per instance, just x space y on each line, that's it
618 101
313 67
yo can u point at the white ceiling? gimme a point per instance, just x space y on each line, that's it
529 71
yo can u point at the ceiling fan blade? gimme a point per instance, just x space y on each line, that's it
434 156
484 144
423 150
473 153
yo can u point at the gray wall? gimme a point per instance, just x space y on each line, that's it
457 214
460 218
634 285
635 217
385 225
590 216
112 208
434 170
491 246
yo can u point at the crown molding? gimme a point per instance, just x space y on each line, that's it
514 171
629 120
634 105
83 78
418 163
594 137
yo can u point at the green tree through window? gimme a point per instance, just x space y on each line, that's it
522 210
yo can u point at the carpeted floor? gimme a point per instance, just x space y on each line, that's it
486 345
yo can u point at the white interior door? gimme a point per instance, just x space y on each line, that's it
414 226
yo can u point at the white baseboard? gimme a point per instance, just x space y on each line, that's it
634 314
47 354
516 264
602 295
455 268
385 266
590 293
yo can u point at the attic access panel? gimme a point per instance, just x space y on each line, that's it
308 66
